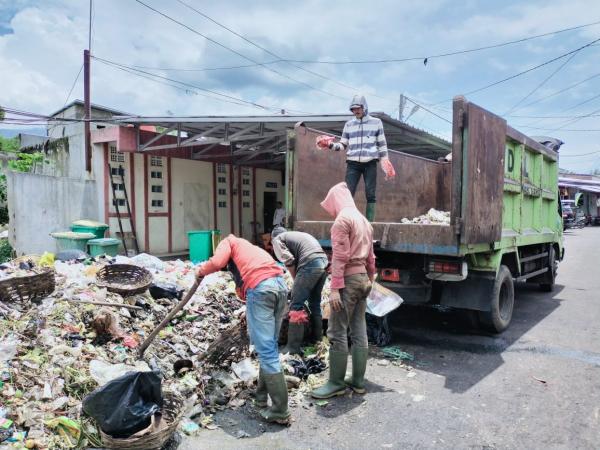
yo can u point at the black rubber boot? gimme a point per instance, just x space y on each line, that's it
260 398
316 327
277 389
294 340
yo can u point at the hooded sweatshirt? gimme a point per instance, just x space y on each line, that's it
252 263
351 237
364 138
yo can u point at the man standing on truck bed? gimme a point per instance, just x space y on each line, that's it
307 263
364 141
352 273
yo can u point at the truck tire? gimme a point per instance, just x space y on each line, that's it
550 276
503 299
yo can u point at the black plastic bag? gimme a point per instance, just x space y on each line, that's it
165 290
378 330
304 368
125 405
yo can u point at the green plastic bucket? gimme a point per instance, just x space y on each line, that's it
69 240
202 244
90 226
104 246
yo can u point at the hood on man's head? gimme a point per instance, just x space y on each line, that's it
338 198
359 100
277 231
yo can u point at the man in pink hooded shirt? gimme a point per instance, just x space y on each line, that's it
352 273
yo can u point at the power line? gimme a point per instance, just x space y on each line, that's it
581 154
544 81
531 69
554 94
236 52
442 55
428 110
73 87
230 97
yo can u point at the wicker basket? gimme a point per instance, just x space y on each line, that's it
172 412
124 279
28 288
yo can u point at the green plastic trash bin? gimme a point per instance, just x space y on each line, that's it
89 226
202 243
104 246
69 240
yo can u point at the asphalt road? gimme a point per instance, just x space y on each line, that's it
536 386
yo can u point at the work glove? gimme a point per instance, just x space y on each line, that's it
335 300
387 167
323 142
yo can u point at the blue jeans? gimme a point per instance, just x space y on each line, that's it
264 310
308 285
368 170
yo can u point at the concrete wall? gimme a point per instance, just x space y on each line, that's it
41 204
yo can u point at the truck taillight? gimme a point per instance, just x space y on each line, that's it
392 275
445 267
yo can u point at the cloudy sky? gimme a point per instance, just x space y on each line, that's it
42 42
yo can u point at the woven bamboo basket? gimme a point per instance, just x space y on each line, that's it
124 279
172 412
28 288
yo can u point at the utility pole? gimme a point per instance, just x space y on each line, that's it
87 105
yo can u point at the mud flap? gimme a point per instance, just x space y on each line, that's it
473 293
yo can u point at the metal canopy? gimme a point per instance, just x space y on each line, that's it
261 140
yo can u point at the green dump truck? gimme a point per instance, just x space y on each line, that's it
500 188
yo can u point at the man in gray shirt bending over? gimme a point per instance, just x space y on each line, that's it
305 259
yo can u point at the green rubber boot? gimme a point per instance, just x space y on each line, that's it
359 366
338 361
316 326
370 214
294 340
277 389
260 397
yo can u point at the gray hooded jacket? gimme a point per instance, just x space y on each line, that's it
364 138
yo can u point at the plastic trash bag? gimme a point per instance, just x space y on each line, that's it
378 330
103 372
170 291
126 404
70 255
382 301
148 261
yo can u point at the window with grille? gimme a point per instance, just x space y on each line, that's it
157 188
119 186
222 191
246 193
156 161
221 168
246 181
119 201
116 156
156 174
117 171
246 204
222 180
271 185
246 171
157 203
222 204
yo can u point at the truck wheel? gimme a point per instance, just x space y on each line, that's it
503 299
550 276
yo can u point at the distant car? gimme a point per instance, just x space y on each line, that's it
568 209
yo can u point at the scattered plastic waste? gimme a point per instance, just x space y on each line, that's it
245 370
304 368
382 301
395 353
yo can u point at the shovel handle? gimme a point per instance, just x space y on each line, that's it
166 320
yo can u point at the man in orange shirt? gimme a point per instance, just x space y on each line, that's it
260 282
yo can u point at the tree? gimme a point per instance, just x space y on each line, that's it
9 144
1 114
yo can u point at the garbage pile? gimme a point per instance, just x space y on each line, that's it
55 352
433 217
